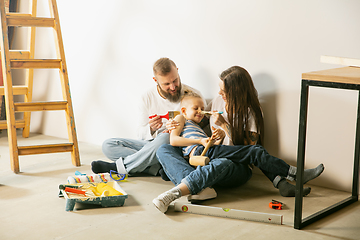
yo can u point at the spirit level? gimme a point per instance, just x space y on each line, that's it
229 213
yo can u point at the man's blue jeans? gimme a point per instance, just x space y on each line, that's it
137 156
220 171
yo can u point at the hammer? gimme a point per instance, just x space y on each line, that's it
201 160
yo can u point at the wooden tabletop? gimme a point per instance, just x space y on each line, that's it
349 75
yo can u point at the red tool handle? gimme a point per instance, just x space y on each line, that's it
74 190
161 116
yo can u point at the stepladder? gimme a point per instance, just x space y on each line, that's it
26 59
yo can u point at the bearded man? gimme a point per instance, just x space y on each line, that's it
132 156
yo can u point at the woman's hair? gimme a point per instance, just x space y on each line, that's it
242 102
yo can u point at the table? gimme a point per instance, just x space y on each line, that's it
340 78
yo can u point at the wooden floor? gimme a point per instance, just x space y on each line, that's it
31 209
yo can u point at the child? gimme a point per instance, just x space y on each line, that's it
193 139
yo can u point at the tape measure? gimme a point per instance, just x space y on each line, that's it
276 205
229 213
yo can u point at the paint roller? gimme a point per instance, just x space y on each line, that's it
201 160
169 115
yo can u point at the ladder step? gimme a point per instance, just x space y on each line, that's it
26 20
41 149
35 63
17 90
12 14
40 106
19 54
18 124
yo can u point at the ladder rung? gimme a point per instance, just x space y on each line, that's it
17 90
40 106
18 124
35 63
24 20
49 148
12 14
19 54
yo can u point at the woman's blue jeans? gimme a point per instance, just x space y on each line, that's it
249 154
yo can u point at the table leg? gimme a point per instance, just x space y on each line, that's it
301 153
355 189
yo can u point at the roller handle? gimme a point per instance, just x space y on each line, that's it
74 190
207 147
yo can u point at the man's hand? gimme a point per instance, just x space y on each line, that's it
155 123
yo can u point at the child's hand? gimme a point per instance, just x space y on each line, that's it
204 141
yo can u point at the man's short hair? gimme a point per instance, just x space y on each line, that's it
163 66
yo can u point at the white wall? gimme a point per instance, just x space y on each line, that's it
111 46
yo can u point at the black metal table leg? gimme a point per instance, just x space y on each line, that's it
355 189
298 221
301 153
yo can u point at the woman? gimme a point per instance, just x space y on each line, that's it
243 124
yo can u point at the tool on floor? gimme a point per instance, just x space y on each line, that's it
229 213
209 112
25 59
201 160
169 115
276 205
108 194
101 177
63 186
75 190
77 173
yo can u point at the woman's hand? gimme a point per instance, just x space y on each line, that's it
218 135
218 119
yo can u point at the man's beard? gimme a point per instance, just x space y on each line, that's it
172 97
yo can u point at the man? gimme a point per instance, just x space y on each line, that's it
139 156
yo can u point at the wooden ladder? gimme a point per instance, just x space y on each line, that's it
15 59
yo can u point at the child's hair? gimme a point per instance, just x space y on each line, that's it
188 94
